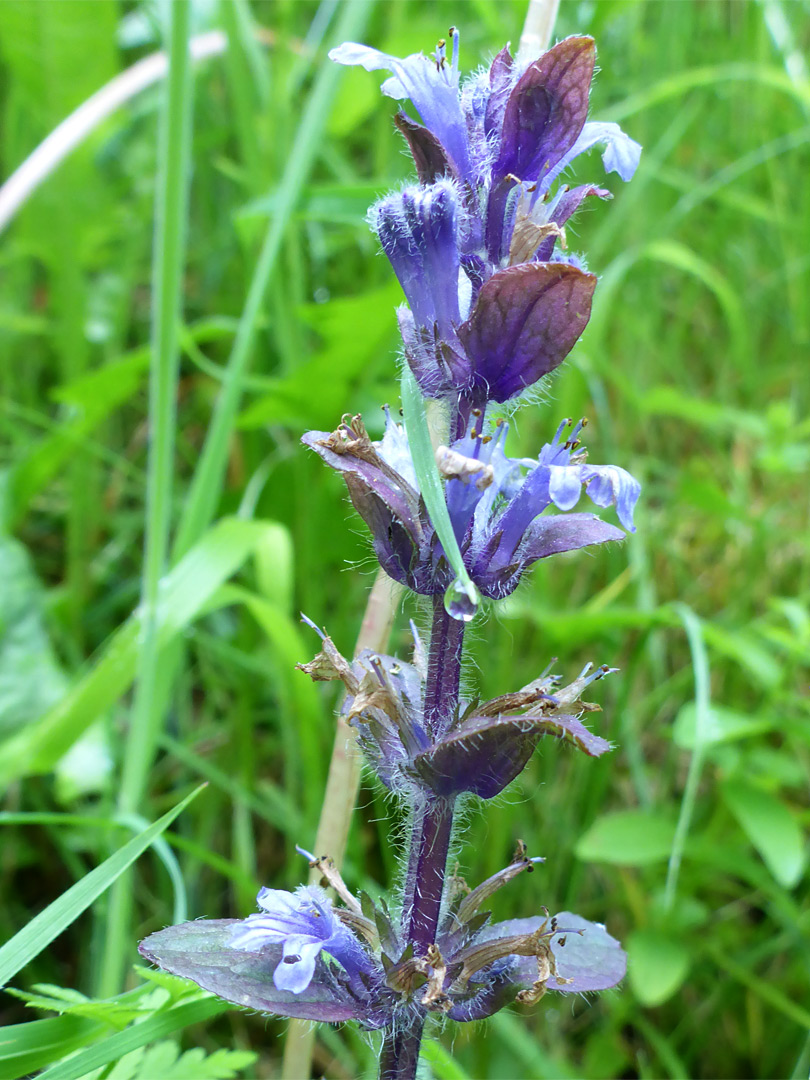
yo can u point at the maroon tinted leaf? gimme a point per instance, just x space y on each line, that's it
486 753
525 322
385 501
593 960
200 951
428 153
546 110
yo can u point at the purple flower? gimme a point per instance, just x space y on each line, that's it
305 924
430 82
498 505
487 318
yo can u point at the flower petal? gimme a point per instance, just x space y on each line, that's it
567 204
432 88
418 230
296 968
564 485
608 485
622 154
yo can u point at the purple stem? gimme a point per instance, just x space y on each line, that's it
430 838
424 882
400 1051
444 669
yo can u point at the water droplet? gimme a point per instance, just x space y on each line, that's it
461 601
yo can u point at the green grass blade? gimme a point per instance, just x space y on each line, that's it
123 1042
430 484
206 485
49 924
700 663
25 1048
171 211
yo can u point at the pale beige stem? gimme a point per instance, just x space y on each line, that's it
91 114
342 786
537 29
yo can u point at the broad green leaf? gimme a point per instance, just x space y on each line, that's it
627 838
656 965
56 917
723 725
188 587
771 828
357 334
712 415
30 677
335 204
741 647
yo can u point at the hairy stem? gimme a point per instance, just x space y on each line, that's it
400 1051
430 838
444 669
424 883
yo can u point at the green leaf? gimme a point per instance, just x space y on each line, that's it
165 1060
123 1042
771 828
26 1048
627 838
657 966
357 333
187 589
49 924
723 725
30 677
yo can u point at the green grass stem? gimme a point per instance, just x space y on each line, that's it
206 486
171 214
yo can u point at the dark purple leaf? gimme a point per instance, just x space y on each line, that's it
525 322
375 481
200 951
565 532
546 110
428 153
482 756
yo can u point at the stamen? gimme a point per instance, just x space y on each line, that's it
331 876
455 37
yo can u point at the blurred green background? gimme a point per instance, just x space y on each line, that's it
689 839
